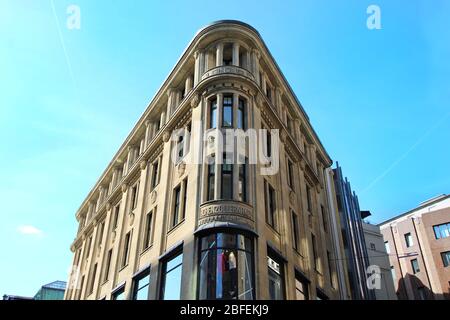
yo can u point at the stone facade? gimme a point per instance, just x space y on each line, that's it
160 224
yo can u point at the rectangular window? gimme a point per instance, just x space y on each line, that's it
242 187
372 246
148 230
227 114
276 278
301 288
290 174
141 284
415 266
270 204
308 198
176 205
100 233
394 276
180 147
408 240
331 269
268 144
126 248
108 265
88 247
227 178
155 174
94 274
211 180
241 120
442 230
314 249
134 196
445 258
116 217
213 115
183 204
387 247
295 230
119 294
324 218
171 278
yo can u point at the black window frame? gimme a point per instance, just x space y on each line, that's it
135 284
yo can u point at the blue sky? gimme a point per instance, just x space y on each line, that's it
378 99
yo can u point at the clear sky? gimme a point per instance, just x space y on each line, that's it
378 99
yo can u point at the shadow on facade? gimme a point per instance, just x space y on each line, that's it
411 287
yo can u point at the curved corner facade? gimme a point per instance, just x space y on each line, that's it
173 216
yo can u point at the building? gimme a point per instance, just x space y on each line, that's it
379 258
354 244
175 215
418 243
51 291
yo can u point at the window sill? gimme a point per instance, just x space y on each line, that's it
104 282
123 267
175 227
272 228
146 249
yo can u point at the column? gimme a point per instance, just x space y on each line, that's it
235 165
218 152
163 119
235 61
219 55
170 101
147 133
187 85
255 65
196 67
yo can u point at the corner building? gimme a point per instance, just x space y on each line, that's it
156 226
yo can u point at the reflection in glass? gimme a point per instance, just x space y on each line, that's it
226 267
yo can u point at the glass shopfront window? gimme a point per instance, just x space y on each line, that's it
226 267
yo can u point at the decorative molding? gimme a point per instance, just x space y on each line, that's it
143 164
153 196
227 211
195 100
181 168
166 136
124 187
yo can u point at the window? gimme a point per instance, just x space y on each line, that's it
155 174
445 258
308 198
134 196
148 230
183 212
276 278
331 269
140 285
290 174
226 267
415 266
324 218
387 247
227 178
394 276
213 114
94 274
442 230
180 147
269 195
372 246
211 180
268 144
108 265
320 295
176 205
81 287
242 186
119 294
227 112
314 251
241 115
126 248
295 230
116 217
171 278
408 240
301 288
88 247
100 233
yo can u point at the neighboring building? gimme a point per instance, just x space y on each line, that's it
163 225
418 243
378 257
51 291
355 251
